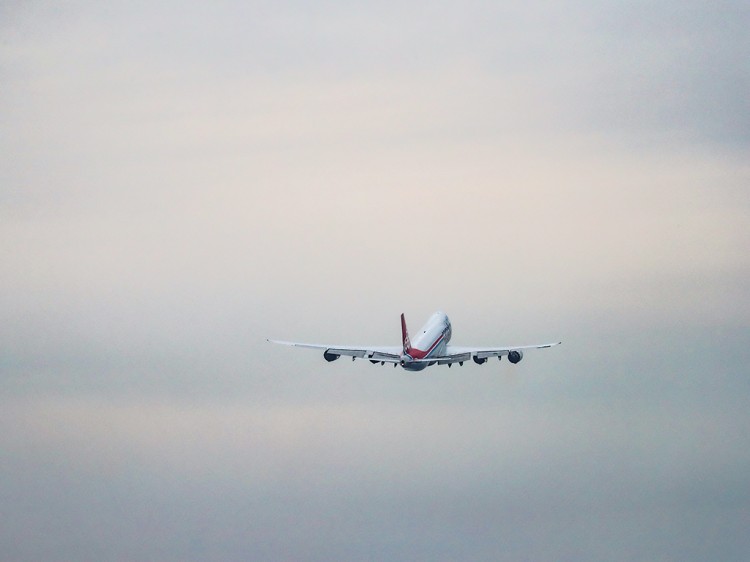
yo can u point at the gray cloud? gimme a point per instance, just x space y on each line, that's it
179 183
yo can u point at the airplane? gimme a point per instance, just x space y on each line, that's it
430 347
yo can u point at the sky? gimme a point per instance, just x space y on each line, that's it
179 182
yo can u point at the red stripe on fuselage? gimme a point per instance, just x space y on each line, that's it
415 353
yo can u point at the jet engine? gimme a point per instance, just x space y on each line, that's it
330 356
515 356
479 360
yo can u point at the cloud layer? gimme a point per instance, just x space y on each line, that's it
179 183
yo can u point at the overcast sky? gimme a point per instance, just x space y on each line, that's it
179 182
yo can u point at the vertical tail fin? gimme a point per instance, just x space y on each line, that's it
405 335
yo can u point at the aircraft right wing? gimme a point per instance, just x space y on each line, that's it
456 354
487 352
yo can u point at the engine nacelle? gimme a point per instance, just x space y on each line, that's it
330 356
515 356
479 360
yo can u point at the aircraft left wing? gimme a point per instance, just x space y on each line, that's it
372 353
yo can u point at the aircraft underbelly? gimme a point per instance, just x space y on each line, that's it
439 349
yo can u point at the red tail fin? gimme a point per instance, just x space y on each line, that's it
405 335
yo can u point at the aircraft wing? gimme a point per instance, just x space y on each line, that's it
373 353
456 354
487 352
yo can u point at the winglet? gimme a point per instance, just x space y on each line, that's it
405 335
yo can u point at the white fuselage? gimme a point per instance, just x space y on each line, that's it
431 341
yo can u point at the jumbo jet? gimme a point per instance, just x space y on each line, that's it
430 347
